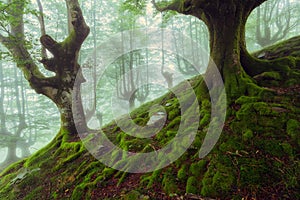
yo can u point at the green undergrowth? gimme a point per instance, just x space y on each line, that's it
257 155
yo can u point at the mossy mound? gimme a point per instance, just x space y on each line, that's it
257 155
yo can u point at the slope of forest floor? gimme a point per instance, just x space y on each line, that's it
256 157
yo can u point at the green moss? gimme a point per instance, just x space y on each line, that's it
150 179
32 194
169 183
197 142
81 192
171 134
70 152
252 89
132 195
54 195
197 169
252 170
140 121
291 82
246 99
204 120
174 124
248 135
122 178
293 130
205 105
13 167
268 76
244 112
87 170
107 172
262 108
219 182
182 173
287 148
223 181
231 145
44 154
271 147
192 185
173 114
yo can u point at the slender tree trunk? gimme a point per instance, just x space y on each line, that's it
42 25
3 129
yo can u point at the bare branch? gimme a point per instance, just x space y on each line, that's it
42 26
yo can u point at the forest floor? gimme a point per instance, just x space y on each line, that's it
256 157
132 182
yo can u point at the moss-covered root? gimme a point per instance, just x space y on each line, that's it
281 57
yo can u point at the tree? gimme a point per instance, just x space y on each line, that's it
128 67
226 21
268 32
15 131
58 88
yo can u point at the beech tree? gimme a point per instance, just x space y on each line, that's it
226 21
60 87
269 33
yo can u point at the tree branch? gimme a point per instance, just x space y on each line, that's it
15 44
42 26
253 4
187 7
30 70
80 29
177 5
3 39
51 45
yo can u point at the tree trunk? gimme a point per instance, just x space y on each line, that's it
11 155
226 21
227 44
71 111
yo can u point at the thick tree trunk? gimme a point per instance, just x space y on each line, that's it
71 111
227 44
226 21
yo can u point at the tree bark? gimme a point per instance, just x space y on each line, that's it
227 44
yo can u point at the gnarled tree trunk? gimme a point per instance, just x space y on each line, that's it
226 21
61 87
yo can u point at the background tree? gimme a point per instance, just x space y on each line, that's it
24 117
273 22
